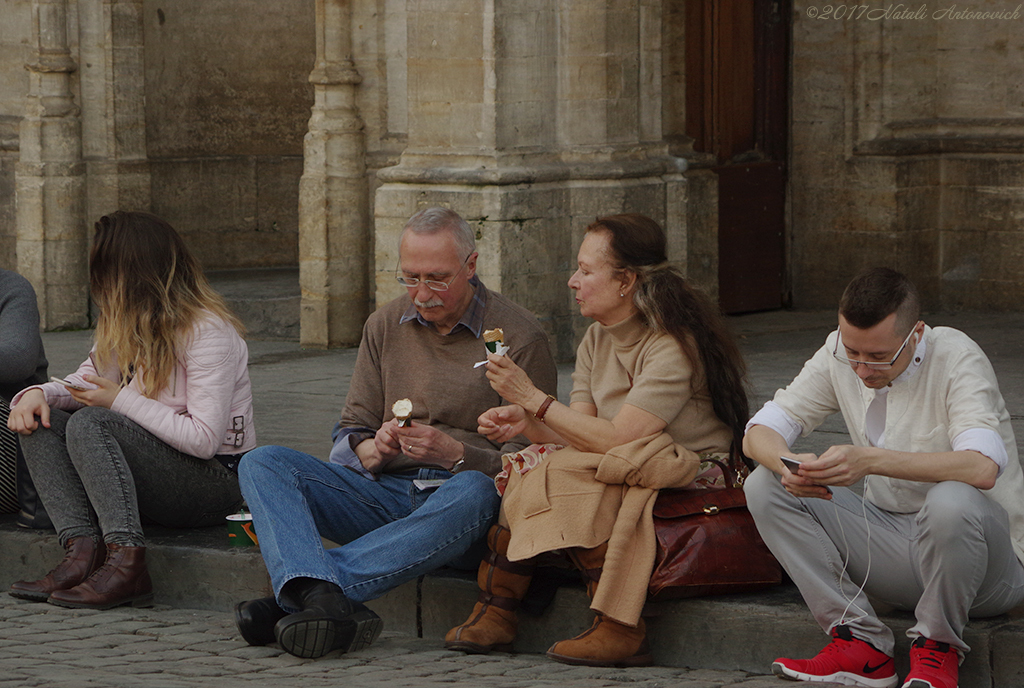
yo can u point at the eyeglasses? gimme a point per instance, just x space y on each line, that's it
433 285
874 365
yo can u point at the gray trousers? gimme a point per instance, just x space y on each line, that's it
951 560
99 473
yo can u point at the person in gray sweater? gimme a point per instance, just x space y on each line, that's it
401 499
22 364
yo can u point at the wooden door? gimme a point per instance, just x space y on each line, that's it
737 111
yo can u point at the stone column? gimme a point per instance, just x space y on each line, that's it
113 106
333 214
49 178
531 118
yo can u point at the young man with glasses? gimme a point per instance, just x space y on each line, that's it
940 529
401 500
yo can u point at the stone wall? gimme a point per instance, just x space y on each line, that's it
907 151
530 118
227 104
15 32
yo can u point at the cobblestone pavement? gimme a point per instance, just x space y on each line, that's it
43 645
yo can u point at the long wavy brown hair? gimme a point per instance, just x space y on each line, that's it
150 291
668 303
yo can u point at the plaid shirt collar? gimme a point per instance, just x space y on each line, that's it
472 318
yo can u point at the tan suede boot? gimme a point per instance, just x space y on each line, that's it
607 643
492 625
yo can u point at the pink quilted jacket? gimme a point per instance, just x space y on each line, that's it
206 408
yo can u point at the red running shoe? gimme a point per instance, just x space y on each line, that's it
932 665
845 660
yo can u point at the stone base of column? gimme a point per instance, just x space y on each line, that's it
51 245
529 223
332 260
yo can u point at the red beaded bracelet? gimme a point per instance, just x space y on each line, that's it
543 408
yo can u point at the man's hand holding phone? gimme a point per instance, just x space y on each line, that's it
792 464
799 486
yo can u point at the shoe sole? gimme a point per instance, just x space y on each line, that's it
475 649
140 601
31 596
634 661
845 678
316 636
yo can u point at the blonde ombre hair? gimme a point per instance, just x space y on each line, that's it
150 291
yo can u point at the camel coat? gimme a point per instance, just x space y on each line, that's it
581 499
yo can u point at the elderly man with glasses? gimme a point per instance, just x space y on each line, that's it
400 499
940 528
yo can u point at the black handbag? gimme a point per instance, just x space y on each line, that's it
708 543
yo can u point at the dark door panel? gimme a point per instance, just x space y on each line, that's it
737 95
751 236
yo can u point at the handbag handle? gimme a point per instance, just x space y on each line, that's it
733 478
738 475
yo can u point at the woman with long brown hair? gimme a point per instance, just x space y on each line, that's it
657 391
149 428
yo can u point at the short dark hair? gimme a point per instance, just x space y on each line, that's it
875 294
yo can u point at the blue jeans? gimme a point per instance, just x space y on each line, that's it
390 531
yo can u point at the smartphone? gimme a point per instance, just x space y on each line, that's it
69 385
792 464
794 467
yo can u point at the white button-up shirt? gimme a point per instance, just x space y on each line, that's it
948 399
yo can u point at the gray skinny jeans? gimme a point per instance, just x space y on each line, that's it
948 562
101 474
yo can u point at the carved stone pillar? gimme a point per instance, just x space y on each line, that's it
333 213
530 119
113 106
49 177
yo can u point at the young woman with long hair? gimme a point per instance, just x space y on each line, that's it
150 427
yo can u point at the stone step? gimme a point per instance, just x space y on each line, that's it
193 569
198 569
267 300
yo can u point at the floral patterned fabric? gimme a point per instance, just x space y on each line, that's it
709 476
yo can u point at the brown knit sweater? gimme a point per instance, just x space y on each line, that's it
435 372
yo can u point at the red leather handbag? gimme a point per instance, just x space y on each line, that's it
708 544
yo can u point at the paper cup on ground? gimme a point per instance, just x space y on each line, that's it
241 532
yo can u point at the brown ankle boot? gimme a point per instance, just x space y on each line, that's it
83 556
492 625
123 579
607 643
